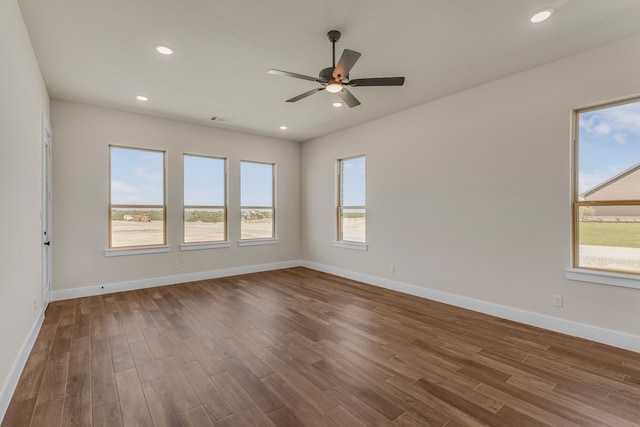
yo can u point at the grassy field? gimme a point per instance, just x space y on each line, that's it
625 235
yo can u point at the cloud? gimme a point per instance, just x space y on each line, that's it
145 174
621 120
123 193
128 194
588 180
620 138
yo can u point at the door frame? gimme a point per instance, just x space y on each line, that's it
46 211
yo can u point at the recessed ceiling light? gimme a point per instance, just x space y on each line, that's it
283 128
142 98
541 16
337 104
163 49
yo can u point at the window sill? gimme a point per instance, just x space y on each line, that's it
136 251
604 277
207 245
257 242
351 245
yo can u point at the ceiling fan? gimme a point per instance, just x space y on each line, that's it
335 79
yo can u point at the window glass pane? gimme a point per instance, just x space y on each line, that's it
353 225
137 177
137 227
256 184
353 182
204 225
203 181
609 237
256 224
609 153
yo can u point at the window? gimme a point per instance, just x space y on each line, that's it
205 210
257 200
606 208
352 212
137 207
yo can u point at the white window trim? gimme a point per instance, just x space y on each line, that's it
351 245
137 251
604 277
204 245
258 242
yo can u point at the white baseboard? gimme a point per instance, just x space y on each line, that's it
167 280
592 333
9 386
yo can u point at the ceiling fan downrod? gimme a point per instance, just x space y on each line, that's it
334 36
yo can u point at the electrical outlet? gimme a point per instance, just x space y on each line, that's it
392 269
176 265
35 305
557 300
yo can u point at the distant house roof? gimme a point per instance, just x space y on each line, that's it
623 186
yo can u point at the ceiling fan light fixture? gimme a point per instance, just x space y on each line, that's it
333 87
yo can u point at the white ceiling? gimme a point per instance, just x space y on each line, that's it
100 52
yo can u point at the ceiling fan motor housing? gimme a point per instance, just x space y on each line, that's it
326 74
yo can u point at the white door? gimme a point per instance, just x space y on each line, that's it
46 211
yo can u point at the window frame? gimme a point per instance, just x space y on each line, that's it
137 248
207 243
260 240
340 241
590 273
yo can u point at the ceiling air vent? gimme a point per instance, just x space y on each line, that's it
221 119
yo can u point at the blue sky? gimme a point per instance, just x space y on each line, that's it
136 179
353 182
203 181
609 143
256 184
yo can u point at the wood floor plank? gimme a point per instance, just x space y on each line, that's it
283 417
133 404
297 404
161 407
19 413
212 399
197 417
120 353
145 364
103 378
181 391
108 415
239 400
299 347
77 403
48 413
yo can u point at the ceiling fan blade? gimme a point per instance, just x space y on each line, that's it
345 64
378 81
294 75
348 98
304 95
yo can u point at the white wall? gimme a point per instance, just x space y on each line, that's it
470 194
23 99
82 135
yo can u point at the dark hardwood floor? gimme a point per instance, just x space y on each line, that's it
301 348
